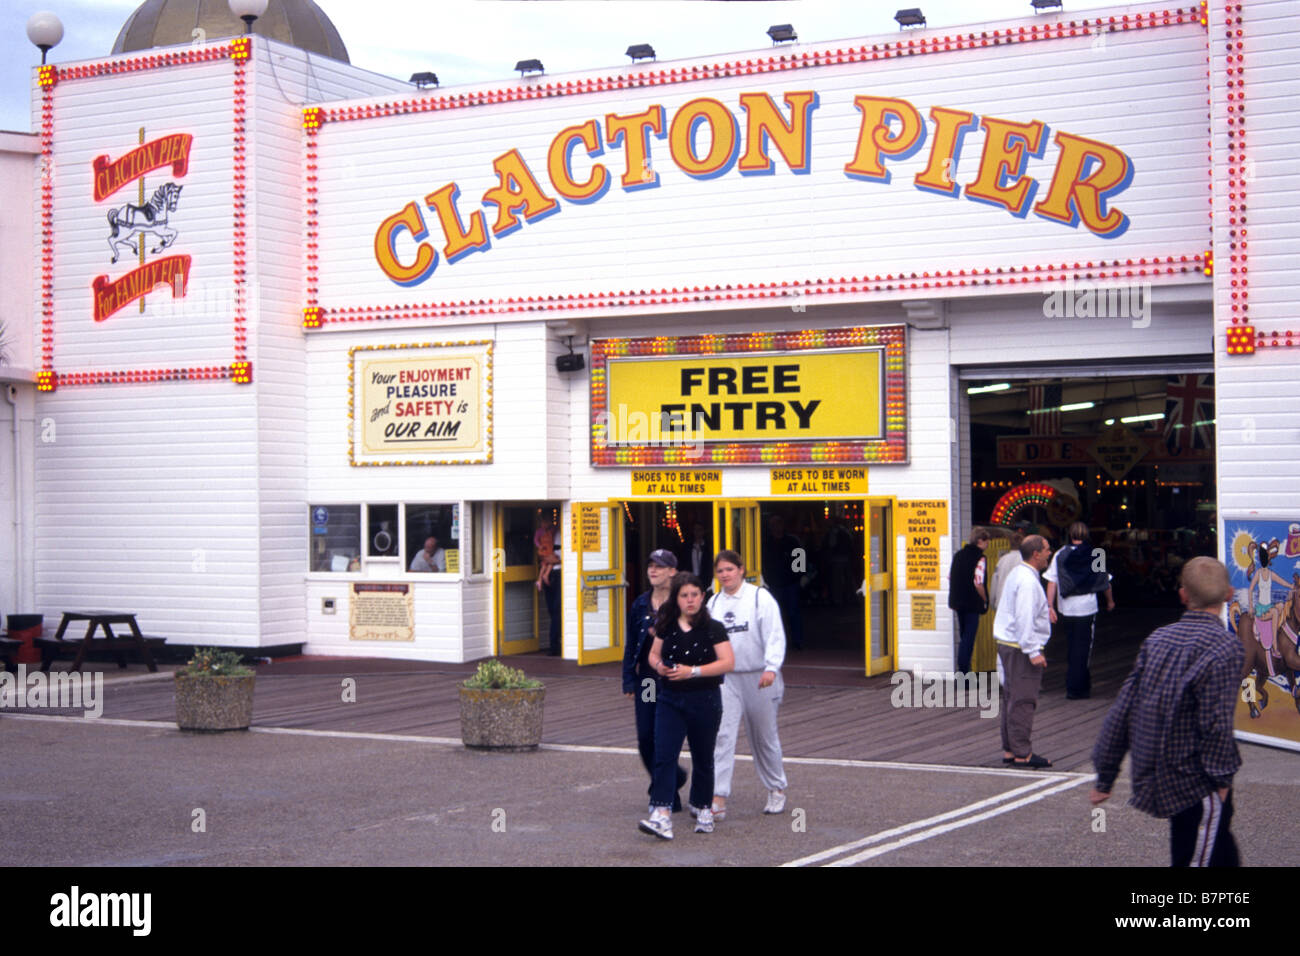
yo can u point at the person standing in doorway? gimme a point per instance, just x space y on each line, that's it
1021 628
967 594
753 690
1174 715
1076 575
640 681
547 541
784 563
699 553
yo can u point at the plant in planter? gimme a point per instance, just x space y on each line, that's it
214 691
501 709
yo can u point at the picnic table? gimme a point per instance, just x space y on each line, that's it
98 620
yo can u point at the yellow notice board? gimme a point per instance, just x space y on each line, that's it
697 482
793 396
922 523
586 529
821 481
923 612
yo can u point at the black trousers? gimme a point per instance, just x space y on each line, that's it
1079 632
1198 836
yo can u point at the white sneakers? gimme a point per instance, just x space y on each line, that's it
719 813
660 824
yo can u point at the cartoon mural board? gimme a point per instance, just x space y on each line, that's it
1264 564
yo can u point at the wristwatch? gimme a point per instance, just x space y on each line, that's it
695 672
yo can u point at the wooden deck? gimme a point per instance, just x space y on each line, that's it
830 709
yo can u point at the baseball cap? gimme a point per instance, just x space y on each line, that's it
664 558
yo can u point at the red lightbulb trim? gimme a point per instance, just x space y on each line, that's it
240 370
839 288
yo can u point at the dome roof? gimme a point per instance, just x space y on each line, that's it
299 23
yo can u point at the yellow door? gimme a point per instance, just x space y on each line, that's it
985 656
741 533
879 585
602 588
514 576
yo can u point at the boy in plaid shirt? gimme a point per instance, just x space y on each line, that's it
1174 713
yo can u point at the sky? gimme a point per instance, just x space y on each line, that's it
470 41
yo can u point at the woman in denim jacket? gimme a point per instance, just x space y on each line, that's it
640 682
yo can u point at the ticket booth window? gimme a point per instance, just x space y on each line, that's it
334 542
440 521
381 527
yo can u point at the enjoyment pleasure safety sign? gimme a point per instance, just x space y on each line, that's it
421 405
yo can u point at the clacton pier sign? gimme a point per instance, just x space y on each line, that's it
609 188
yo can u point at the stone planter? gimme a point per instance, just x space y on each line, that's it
214 703
501 719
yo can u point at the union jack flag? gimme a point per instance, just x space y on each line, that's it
1045 409
1189 412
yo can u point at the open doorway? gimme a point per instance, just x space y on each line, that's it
812 560
1131 456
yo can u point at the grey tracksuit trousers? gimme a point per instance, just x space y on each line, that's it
741 697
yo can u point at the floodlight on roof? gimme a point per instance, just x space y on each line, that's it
1041 5
782 33
423 80
911 17
641 51
530 66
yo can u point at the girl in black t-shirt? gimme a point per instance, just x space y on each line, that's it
691 652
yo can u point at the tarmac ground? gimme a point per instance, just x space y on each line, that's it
142 793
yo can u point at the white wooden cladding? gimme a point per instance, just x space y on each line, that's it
1142 92
1258 416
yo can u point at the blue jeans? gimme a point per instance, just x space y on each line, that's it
693 716
645 733
970 624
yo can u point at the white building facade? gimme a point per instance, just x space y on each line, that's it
781 270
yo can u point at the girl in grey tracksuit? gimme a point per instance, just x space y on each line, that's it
752 619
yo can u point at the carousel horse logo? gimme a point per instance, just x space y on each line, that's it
129 224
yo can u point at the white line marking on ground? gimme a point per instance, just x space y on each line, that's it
586 748
110 721
357 735
917 824
948 827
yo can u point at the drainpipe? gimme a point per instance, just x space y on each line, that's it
11 396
